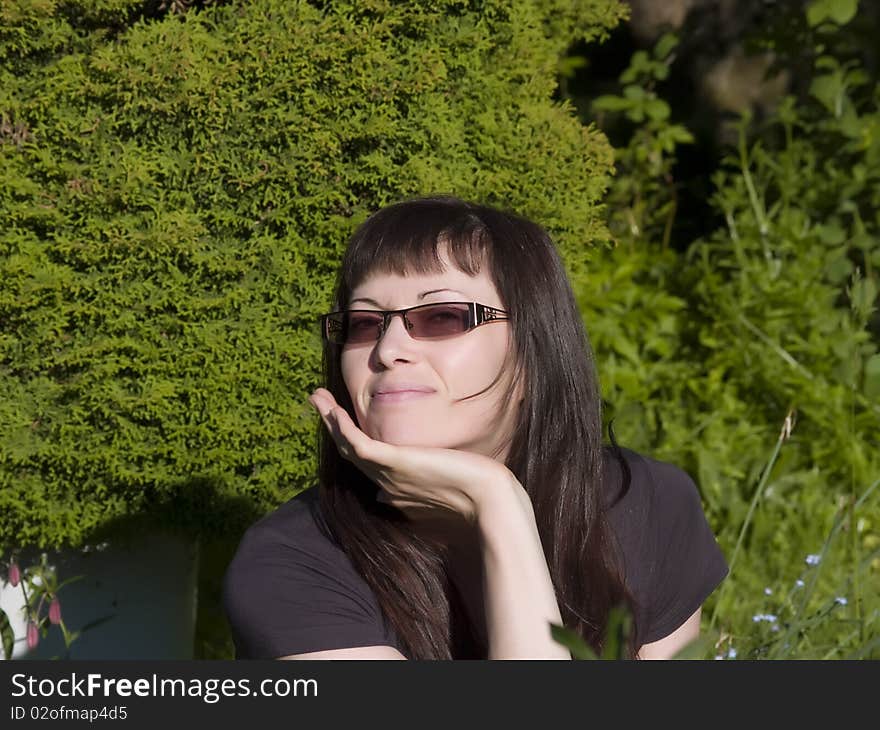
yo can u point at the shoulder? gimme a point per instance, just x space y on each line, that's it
635 483
292 534
290 588
294 523
293 541
670 558
646 498
277 553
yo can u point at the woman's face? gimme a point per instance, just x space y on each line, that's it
451 368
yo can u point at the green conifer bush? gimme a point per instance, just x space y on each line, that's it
176 191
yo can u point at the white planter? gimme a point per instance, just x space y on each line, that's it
146 588
12 602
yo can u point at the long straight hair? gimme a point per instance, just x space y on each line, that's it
555 447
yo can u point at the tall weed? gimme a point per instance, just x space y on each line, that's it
768 322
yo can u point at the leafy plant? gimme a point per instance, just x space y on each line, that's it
702 356
642 200
616 637
42 604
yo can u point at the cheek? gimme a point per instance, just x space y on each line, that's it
474 365
355 373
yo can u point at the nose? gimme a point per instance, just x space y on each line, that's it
389 320
394 342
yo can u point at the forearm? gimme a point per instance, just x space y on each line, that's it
519 600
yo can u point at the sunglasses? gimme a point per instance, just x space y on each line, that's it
425 322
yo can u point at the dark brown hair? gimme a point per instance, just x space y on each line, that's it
555 451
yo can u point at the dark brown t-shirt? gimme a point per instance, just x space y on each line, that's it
289 589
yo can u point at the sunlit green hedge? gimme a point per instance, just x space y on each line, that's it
175 194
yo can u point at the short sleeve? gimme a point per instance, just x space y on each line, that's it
688 563
290 591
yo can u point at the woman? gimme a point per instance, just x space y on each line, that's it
465 501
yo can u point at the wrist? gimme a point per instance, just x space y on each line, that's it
505 505
519 595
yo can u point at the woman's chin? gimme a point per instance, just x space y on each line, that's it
403 439
399 434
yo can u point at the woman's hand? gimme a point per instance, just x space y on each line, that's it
425 483
449 490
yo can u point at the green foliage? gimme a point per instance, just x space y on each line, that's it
840 12
642 198
784 318
614 640
176 194
634 318
769 321
41 590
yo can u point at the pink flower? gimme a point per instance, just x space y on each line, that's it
55 611
14 574
33 636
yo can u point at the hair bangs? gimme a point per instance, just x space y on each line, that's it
406 239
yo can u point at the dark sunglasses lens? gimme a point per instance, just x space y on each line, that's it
358 327
441 320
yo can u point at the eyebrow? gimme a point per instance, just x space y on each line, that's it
420 297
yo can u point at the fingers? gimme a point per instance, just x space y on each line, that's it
329 412
348 436
327 408
343 430
351 441
323 400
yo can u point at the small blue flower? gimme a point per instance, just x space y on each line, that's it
731 653
813 559
799 583
774 627
769 617
768 591
840 601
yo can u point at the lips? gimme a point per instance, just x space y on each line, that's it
402 388
399 392
400 396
